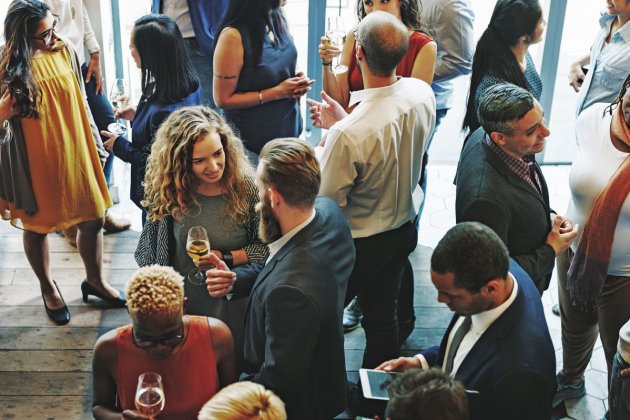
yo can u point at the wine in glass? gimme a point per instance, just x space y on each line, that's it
119 97
197 245
150 394
335 33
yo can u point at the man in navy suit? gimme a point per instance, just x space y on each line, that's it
293 332
498 343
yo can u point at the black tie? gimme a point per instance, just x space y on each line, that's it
457 340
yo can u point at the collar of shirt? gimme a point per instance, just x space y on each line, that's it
481 322
622 34
520 167
277 245
373 93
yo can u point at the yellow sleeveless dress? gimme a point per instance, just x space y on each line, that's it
66 174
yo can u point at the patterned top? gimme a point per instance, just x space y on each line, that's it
524 168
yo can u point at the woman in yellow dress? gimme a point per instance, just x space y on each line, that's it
50 172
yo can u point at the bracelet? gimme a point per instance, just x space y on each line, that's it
228 259
260 98
328 64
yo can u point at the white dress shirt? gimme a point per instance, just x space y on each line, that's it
277 245
75 26
178 10
372 158
479 324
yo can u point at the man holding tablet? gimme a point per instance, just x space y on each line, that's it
498 343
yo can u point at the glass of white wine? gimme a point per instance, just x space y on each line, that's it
119 97
336 32
150 394
197 245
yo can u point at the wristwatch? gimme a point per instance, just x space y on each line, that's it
228 259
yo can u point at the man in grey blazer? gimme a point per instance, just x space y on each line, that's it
500 184
293 332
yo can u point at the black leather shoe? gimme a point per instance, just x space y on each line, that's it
118 302
352 316
59 316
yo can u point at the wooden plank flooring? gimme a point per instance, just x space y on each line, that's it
45 370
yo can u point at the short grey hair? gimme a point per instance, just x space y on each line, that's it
501 105
385 41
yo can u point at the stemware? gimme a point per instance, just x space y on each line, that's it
150 394
336 33
197 245
119 97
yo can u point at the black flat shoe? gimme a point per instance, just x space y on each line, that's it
118 302
59 316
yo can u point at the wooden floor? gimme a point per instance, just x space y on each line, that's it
45 370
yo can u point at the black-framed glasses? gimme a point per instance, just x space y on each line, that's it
47 35
168 341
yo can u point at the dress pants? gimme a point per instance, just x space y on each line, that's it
619 394
375 280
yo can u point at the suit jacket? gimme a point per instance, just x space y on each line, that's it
489 192
206 16
293 332
513 364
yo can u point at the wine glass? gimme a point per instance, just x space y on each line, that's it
119 97
335 33
150 394
197 245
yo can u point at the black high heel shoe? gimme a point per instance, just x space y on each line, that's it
59 316
118 302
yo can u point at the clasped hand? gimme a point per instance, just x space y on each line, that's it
219 280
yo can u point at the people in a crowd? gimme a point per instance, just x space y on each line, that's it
294 341
255 79
418 62
608 61
168 82
374 177
199 175
501 55
198 21
497 344
594 273
194 355
426 394
244 401
619 391
74 26
512 196
51 174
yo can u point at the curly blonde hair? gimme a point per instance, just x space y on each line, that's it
169 183
244 401
155 291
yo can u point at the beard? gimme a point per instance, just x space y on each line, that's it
269 228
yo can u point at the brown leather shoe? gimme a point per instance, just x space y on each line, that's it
113 225
71 235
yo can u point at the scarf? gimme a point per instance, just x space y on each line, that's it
589 267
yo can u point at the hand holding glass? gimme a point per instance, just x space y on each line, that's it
197 245
336 32
150 394
119 97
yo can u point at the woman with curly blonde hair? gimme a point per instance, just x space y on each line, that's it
244 401
199 175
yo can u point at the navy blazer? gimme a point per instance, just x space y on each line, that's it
206 16
513 364
489 192
293 333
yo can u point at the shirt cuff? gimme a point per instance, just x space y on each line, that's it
423 362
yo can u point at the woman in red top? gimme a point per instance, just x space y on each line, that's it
194 355
419 62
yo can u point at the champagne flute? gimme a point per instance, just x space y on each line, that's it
119 97
150 394
197 245
335 33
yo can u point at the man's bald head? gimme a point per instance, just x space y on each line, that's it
384 41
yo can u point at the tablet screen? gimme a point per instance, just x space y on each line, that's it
375 383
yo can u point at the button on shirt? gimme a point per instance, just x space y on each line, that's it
480 323
372 158
609 65
277 245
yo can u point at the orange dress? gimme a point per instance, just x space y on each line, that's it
66 173
189 375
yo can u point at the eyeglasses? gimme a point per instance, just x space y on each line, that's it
168 341
47 35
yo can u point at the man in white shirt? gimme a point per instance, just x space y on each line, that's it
371 165
498 343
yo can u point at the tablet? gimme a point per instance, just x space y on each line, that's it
375 383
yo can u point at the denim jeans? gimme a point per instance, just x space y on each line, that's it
203 66
619 394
